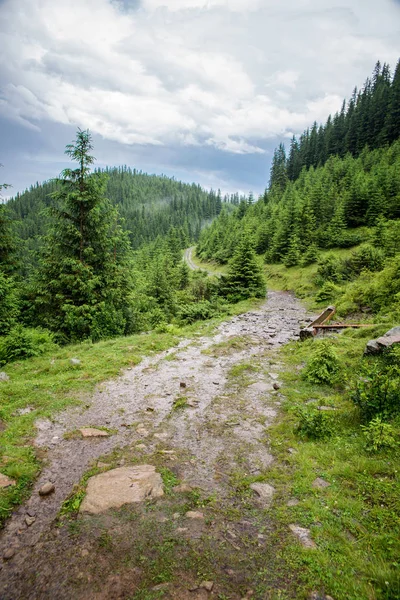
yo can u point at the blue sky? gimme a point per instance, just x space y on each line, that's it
202 90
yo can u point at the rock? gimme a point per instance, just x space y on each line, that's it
207 585
161 436
85 552
326 408
276 386
264 491
124 485
319 596
273 375
4 376
142 431
5 481
320 483
194 514
292 502
182 384
46 489
183 488
141 447
291 451
30 520
89 432
303 535
390 338
8 553
30 512
74 361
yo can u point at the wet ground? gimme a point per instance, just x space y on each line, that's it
201 411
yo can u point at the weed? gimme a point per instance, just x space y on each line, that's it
313 424
180 402
323 366
379 435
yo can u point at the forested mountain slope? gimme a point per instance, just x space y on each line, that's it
149 205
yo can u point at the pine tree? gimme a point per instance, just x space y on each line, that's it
82 284
245 278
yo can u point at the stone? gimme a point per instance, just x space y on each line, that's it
74 361
320 483
303 535
194 514
390 338
4 376
182 385
319 596
8 553
183 488
90 432
142 431
276 386
141 447
6 481
30 520
291 451
124 485
47 488
207 585
30 512
292 502
327 408
264 491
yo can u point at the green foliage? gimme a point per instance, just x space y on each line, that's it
313 424
366 257
377 389
9 303
245 278
323 366
82 285
379 435
23 343
198 311
327 292
330 269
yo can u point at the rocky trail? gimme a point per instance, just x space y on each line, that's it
199 413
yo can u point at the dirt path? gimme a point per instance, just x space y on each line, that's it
224 384
188 257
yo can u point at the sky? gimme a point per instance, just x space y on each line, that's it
202 90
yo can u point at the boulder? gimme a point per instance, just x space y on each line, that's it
124 485
387 340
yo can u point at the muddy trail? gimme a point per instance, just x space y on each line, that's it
200 414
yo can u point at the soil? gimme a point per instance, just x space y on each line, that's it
200 413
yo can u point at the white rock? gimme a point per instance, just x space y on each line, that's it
303 535
4 376
264 491
124 485
89 432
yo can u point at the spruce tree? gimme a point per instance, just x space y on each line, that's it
82 284
245 278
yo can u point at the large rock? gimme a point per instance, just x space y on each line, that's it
264 491
390 338
124 485
5 481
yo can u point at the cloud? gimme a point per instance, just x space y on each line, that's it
226 75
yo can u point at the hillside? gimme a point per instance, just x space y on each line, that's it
148 204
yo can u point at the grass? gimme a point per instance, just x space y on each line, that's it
356 520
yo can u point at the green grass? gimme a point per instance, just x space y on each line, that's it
356 520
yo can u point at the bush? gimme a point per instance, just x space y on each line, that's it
330 268
313 424
323 366
328 291
366 257
377 390
24 343
198 311
379 435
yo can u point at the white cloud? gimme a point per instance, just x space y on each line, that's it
228 74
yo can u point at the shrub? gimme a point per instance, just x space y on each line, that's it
323 366
328 291
379 435
377 390
24 343
330 269
366 257
198 311
313 424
